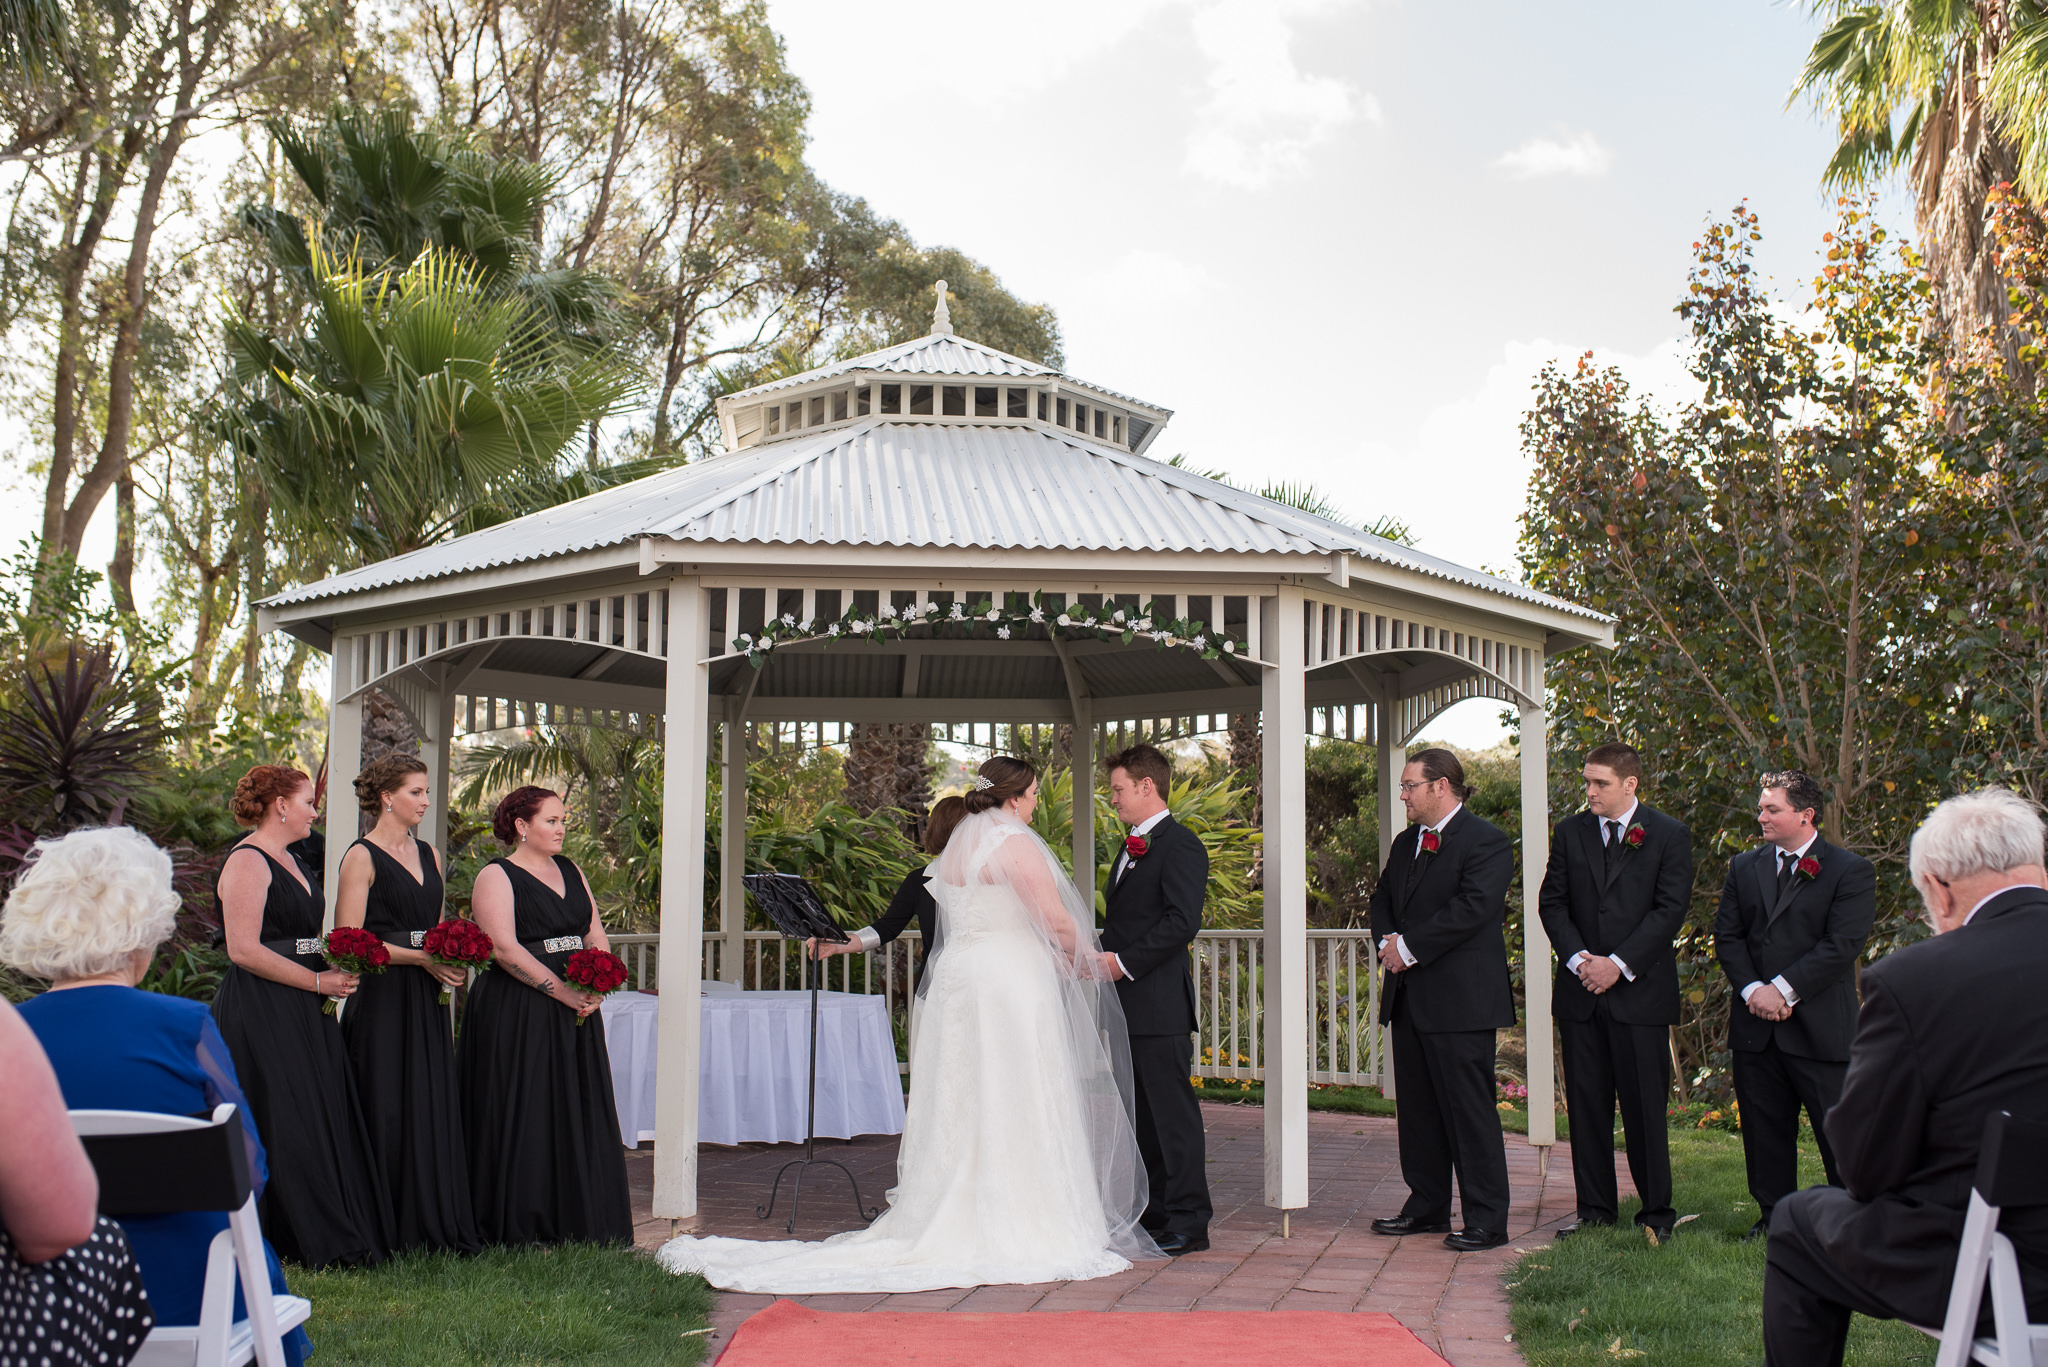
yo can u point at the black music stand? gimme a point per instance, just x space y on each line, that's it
793 906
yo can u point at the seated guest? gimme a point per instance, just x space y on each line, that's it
1952 1029
87 915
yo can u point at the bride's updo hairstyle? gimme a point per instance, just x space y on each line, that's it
1007 777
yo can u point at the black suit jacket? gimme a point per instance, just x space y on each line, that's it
1952 1029
1635 914
1811 936
1453 923
913 899
1154 914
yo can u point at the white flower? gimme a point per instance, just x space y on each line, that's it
1117 616
1200 642
995 615
832 630
745 639
1038 614
1144 624
930 608
1065 620
1002 633
958 614
789 619
810 625
1230 647
888 612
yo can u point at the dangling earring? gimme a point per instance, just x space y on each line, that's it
522 840
387 806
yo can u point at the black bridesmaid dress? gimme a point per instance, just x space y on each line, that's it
325 1202
545 1162
403 1052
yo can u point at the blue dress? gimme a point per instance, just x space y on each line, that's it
120 1049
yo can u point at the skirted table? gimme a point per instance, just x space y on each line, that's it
754 1070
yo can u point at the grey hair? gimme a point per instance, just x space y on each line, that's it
1988 831
86 902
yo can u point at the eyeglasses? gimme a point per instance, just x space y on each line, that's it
1407 788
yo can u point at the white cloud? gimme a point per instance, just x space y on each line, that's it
1263 114
1578 155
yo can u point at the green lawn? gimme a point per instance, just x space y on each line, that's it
574 1304
1697 1300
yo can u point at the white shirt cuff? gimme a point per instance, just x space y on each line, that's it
1785 990
1118 959
1401 946
1571 965
1625 971
1750 989
867 938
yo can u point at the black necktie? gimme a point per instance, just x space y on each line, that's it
1415 864
1785 861
1612 849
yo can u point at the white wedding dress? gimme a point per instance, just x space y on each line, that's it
1019 1162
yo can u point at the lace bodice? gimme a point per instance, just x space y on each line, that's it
978 911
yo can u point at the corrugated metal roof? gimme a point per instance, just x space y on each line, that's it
884 483
933 355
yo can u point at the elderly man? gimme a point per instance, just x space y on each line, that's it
1952 1029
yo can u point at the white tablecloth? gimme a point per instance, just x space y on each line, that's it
755 1066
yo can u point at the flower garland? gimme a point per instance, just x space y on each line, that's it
1108 622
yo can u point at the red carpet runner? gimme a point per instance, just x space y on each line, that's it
788 1335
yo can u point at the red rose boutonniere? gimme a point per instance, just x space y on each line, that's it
1807 869
1634 836
1431 842
1135 846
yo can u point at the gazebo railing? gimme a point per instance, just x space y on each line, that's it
1347 1045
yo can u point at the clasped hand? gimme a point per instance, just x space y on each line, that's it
1598 973
1390 954
1769 1003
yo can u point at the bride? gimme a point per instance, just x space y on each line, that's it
1019 1162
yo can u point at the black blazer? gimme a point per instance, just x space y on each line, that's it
1453 923
913 899
1952 1029
1811 936
1635 914
1154 914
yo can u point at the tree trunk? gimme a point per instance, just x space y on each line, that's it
887 765
387 730
121 569
1247 758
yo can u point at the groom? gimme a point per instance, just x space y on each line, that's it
1156 885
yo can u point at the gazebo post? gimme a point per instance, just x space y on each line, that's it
1284 702
344 762
435 752
682 902
1393 759
1537 1025
1083 795
732 847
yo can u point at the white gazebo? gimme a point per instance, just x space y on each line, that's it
941 533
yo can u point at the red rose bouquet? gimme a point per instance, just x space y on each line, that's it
459 944
354 950
595 970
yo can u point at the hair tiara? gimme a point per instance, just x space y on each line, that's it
982 781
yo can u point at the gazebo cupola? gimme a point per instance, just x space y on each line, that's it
939 378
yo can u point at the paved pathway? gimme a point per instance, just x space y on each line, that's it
1331 1260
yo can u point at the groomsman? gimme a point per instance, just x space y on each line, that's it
1793 920
1614 896
1438 916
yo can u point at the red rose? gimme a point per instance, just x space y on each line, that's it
595 970
1431 842
1808 868
354 950
458 943
1634 836
1135 846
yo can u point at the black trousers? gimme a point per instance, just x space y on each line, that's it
1170 1136
1771 1087
1808 1299
1447 1121
1608 1061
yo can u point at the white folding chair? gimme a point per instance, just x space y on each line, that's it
2012 1170
150 1164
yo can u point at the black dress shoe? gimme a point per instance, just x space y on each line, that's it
1572 1229
1409 1224
1476 1240
1173 1245
1760 1230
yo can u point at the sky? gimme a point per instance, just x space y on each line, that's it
1339 238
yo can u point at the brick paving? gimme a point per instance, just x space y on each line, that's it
1331 1259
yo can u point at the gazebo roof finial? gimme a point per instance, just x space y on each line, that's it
942 320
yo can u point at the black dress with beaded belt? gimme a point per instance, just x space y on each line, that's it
403 1052
326 1202
545 1161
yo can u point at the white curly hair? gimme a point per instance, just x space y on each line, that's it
85 902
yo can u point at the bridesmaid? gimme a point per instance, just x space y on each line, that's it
398 1034
325 1203
545 1162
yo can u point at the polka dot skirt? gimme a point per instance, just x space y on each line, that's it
86 1307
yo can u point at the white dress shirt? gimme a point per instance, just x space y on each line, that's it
1619 831
1785 988
1123 864
1401 941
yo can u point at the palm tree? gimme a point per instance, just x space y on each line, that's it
1953 93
